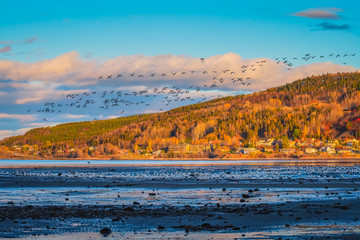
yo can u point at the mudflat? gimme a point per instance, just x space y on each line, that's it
268 202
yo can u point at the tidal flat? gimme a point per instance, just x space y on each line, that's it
257 201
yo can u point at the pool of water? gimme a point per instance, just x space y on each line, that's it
8 163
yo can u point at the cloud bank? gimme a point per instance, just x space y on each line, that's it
10 133
69 73
20 117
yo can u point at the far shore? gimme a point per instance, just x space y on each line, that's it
111 158
174 162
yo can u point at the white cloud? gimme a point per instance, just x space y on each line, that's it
20 117
73 116
112 117
10 133
42 81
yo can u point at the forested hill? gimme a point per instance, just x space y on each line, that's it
322 107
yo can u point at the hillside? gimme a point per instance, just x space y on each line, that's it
322 107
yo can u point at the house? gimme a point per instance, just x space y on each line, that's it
318 143
269 142
287 150
248 150
345 151
300 144
328 149
91 149
194 149
268 149
332 143
180 148
123 152
260 143
353 143
310 150
157 152
140 151
291 143
17 148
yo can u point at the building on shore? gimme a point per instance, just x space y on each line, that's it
310 150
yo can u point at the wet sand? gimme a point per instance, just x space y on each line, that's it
342 217
248 202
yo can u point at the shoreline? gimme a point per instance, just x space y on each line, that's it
103 163
330 158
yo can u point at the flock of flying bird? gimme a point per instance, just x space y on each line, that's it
166 94
288 61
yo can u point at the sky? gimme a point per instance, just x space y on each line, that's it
52 50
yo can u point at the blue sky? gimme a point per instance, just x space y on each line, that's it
197 28
50 48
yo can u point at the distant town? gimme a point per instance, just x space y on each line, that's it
264 148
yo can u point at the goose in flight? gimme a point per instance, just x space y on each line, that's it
101 77
109 77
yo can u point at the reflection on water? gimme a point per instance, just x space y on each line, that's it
171 197
310 231
7 163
